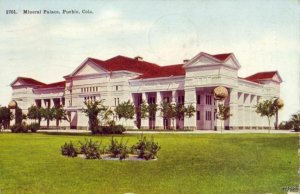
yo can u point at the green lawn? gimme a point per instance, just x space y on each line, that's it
206 163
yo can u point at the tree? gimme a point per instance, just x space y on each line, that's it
19 116
5 117
35 113
277 105
47 114
152 108
223 113
190 111
180 110
295 120
168 112
125 110
92 110
59 114
108 117
266 109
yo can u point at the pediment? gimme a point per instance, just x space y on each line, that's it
18 83
203 59
88 68
276 78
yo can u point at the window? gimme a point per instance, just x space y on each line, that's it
181 99
151 100
166 99
81 90
96 89
198 99
208 115
208 99
117 101
198 115
117 88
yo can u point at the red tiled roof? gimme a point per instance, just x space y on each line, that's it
31 81
261 76
146 69
221 57
54 85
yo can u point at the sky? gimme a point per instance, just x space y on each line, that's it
262 34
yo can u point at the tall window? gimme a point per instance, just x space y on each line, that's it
198 99
198 115
117 88
151 100
208 115
181 99
208 99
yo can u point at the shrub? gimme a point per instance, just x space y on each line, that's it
146 149
113 129
33 127
286 125
118 149
68 149
19 128
90 149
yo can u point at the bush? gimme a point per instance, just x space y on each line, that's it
68 149
286 125
19 128
33 127
113 129
90 149
146 149
118 149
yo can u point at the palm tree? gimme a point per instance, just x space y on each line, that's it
277 105
92 110
295 119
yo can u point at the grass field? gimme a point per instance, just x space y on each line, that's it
206 163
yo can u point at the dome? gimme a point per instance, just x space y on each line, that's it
13 104
279 102
220 93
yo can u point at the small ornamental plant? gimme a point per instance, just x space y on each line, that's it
118 149
146 149
90 149
68 149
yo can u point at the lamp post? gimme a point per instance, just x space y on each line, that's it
12 106
220 94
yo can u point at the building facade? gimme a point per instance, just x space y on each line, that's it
120 78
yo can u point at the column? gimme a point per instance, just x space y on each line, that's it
233 120
190 99
158 116
144 121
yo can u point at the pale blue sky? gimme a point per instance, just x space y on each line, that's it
264 35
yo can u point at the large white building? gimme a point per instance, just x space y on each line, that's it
121 78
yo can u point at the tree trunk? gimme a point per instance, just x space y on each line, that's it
269 124
48 121
57 123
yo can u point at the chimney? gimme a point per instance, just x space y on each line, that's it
185 60
138 58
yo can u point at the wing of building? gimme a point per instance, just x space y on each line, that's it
122 78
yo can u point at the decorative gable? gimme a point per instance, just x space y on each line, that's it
204 59
18 83
88 68
276 78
